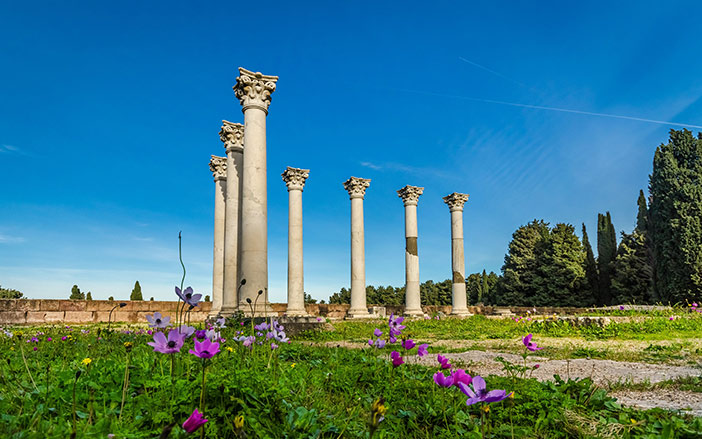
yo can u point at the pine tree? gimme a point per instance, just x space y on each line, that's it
632 272
88 296
516 286
136 292
473 290
675 225
591 275
606 253
76 294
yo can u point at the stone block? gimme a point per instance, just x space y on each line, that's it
138 305
78 316
124 316
50 305
54 316
72 305
13 317
20 305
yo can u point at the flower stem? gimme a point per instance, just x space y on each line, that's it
27 367
125 386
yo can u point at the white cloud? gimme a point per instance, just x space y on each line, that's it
7 239
371 165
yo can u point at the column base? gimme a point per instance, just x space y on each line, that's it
296 313
227 311
413 313
359 313
461 313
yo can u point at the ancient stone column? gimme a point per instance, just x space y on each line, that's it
254 90
218 166
295 180
455 203
232 135
356 188
410 197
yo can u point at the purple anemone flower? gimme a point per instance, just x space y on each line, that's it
422 350
186 331
188 296
460 376
195 421
205 349
396 323
157 321
213 335
200 334
396 359
248 341
621 307
221 322
442 380
479 392
530 344
262 327
274 346
377 332
443 362
408 344
380 343
370 342
167 346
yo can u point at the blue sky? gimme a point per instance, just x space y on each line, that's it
109 113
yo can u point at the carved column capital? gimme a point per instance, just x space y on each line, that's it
232 135
410 194
295 178
253 89
356 187
456 201
218 166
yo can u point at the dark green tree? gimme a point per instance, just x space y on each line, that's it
632 281
309 299
207 298
8 293
606 253
474 288
76 294
342 297
88 296
436 293
484 288
642 214
489 294
591 285
560 272
516 286
136 292
675 219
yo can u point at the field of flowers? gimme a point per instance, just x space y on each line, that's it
243 378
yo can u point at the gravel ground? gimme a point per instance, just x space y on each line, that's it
685 402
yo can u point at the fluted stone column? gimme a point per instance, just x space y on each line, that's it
254 90
295 180
413 303
356 188
232 135
455 203
218 166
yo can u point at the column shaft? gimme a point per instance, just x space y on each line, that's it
458 288
296 285
254 210
413 303
218 260
358 260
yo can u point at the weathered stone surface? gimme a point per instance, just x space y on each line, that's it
72 305
13 317
78 316
50 305
52 316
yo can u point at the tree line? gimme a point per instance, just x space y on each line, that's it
659 261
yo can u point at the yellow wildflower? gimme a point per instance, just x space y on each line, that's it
229 349
378 411
485 408
293 365
128 345
239 422
86 361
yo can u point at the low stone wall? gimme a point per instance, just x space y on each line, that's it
48 311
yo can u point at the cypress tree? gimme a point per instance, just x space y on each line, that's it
473 288
606 253
484 288
88 296
642 214
76 294
632 272
675 220
136 292
591 285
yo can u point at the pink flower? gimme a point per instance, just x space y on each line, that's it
396 359
529 344
195 421
422 349
205 349
442 380
443 362
408 344
460 376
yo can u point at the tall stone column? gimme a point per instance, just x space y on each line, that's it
218 166
356 188
232 135
455 203
413 303
295 180
254 90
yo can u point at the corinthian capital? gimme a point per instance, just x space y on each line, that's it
455 201
218 166
410 194
295 178
232 135
356 187
254 89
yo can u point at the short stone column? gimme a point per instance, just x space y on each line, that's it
232 135
295 178
218 166
356 188
254 90
455 203
413 303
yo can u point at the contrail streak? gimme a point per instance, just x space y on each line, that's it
492 71
562 110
